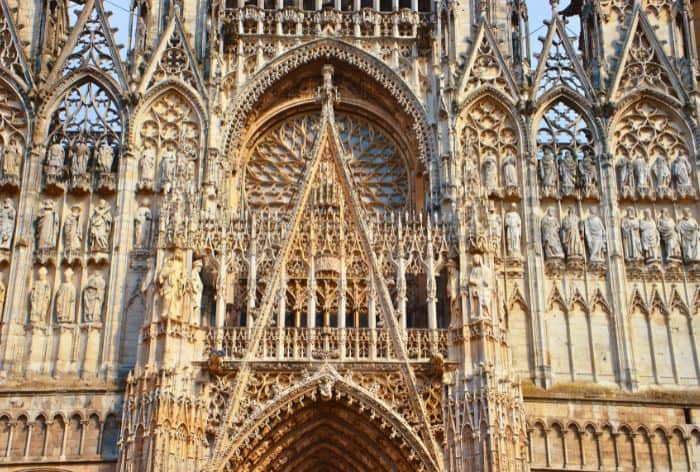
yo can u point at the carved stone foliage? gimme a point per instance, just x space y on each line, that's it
651 153
281 155
85 138
490 144
567 167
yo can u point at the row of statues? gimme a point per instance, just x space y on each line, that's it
180 292
80 153
47 228
508 176
637 178
662 239
171 169
512 225
566 175
568 239
65 299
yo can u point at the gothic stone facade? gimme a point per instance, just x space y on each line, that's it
354 235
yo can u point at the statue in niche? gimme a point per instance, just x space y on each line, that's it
65 299
571 235
195 288
105 158
168 162
12 160
548 174
495 227
172 282
689 232
551 244
510 175
594 233
681 172
72 231
100 227
93 298
651 242
40 298
631 241
641 175
513 231
142 225
55 162
47 226
662 177
588 176
147 168
669 237
625 177
79 163
480 288
567 174
453 295
490 174
8 216
209 203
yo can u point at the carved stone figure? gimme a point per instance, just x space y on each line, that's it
93 297
551 244
65 299
55 161
567 174
650 238
209 203
40 298
689 232
147 168
594 233
588 176
105 158
195 289
681 171
172 283
571 235
12 160
167 170
495 227
625 178
79 163
662 177
490 169
72 230
641 176
480 288
631 241
548 174
47 226
100 227
510 175
513 225
142 225
669 237
7 223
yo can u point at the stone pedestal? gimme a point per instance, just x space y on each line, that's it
37 348
91 333
64 349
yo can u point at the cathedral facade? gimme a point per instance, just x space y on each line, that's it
349 235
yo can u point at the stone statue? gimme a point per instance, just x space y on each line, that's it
669 237
513 231
147 168
594 232
12 159
40 298
93 297
105 158
551 244
480 288
47 226
650 238
567 174
55 161
100 227
142 225
689 232
65 299
495 227
81 156
490 169
571 235
209 203
167 170
548 174
510 175
588 176
681 171
72 231
625 177
172 283
196 288
641 176
7 223
662 177
631 242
